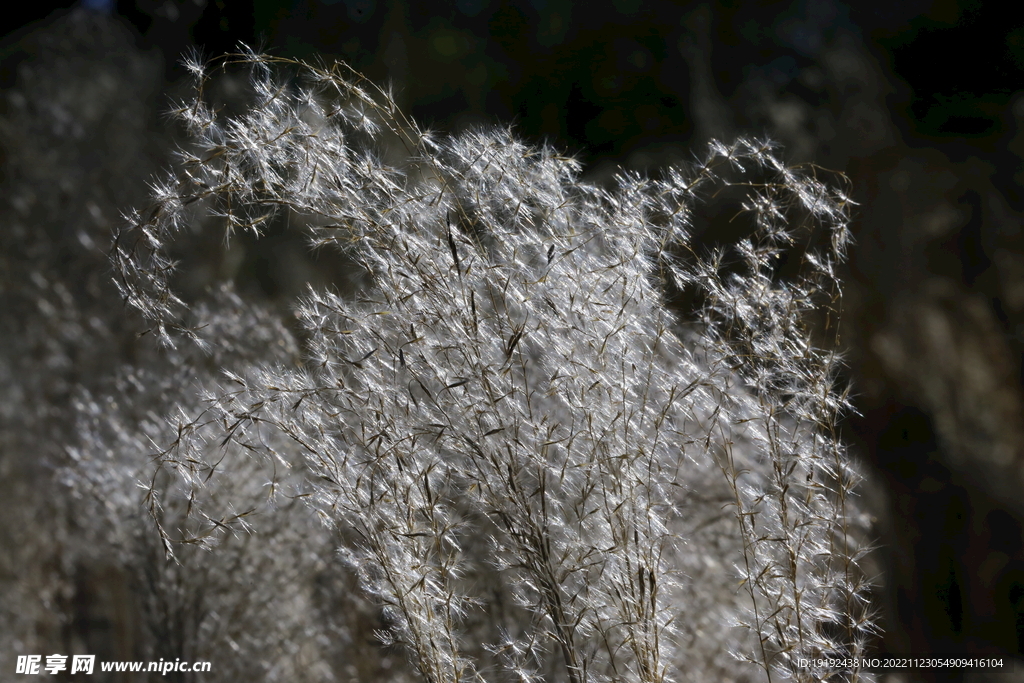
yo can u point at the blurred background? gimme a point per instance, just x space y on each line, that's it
920 103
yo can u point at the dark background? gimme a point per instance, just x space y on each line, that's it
919 103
